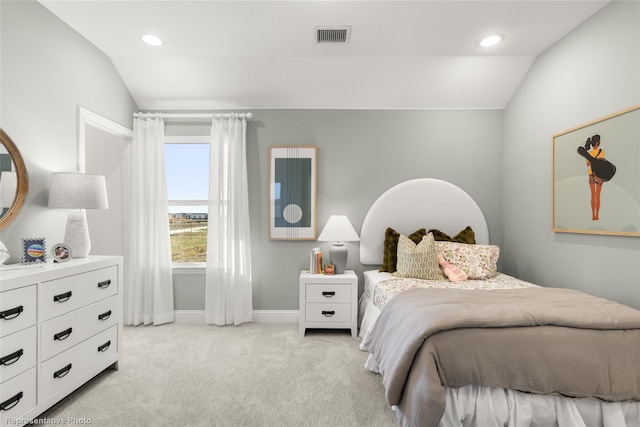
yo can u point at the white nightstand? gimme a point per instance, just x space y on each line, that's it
329 301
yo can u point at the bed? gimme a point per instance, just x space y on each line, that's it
491 350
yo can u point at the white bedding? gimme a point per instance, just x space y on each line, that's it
485 406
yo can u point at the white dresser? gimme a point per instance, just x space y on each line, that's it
60 325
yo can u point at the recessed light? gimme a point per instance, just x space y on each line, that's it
151 40
490 41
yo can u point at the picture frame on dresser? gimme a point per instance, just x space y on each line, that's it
34 250
61 252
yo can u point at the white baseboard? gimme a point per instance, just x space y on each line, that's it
259 316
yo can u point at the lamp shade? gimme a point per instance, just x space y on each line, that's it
8 188
338 229
78 191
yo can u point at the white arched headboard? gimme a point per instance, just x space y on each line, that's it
419 203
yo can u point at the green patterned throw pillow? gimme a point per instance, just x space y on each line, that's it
418 261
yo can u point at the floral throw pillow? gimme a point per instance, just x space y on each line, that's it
478 261
418 261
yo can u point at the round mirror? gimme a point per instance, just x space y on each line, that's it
14 181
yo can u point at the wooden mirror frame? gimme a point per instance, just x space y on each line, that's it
22 178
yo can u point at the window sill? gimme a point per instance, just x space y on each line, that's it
189 268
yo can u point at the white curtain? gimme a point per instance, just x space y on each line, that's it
228 297
148 283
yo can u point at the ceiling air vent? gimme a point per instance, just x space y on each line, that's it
332 34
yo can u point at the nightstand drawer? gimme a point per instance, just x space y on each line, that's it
328 312
17 310
325 293
63 295
17 353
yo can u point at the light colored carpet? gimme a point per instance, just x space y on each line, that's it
257 374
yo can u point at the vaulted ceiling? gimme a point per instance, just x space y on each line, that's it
264 54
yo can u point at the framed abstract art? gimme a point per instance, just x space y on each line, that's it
596 176
293 192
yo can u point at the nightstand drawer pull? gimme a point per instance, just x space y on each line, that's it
12 313
11 402
328 313
328 294
62 372
62 297
105 284
105 315
12 358
61 336
105 346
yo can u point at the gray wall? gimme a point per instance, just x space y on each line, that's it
360 155
48 71
591 73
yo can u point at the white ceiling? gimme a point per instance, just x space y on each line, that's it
263 54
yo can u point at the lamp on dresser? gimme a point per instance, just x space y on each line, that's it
71 190
338 230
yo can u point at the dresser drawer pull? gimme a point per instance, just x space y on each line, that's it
328 294
328 313
62 297
12 358
105 284
12 313
105 346
104 316
62 372
11 402
61 336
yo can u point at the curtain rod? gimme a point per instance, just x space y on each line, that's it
170 116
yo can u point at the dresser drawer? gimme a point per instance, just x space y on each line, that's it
17 310
331 293
17 353
60 296
64 369
67 330
328 312
17 397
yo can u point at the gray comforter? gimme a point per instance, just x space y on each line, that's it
538 340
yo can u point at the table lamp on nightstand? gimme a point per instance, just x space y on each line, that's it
338 230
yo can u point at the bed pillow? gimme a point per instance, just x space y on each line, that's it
464 236
389 258
418 261
478 261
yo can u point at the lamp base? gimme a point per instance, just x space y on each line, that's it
338 254
76 234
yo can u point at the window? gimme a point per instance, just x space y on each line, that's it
187 170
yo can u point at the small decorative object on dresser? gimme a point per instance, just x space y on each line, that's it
329 269
61 253
60 325
34 250
329 301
